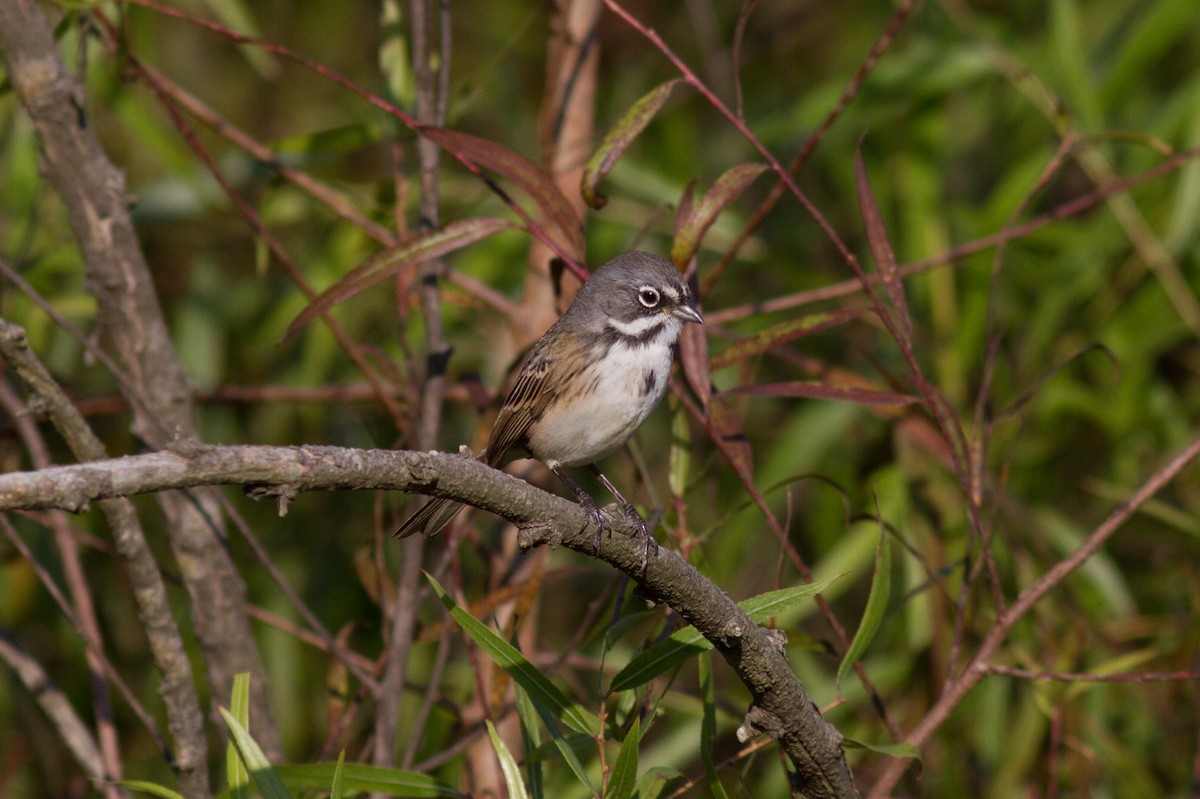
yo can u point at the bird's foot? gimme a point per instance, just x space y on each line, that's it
600 523
641 530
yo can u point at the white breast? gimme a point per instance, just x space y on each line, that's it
624 391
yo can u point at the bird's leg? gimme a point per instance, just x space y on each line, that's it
585 501
631 513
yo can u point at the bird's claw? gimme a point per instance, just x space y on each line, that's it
601 524
641 531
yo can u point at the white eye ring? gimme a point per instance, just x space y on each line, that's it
649 296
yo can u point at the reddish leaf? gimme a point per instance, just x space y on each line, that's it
728 428
555 207
804 388
726 189
618 139
881 248
693 355
780 334
385 263
685 204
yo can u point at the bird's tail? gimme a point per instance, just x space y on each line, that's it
430 519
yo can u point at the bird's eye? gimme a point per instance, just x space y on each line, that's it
649 297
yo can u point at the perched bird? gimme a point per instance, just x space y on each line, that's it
590 381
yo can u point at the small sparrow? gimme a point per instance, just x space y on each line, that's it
590 381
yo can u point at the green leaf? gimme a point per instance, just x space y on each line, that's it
683 644
238 15
891 750
877 600
1155 28
724 191
387 262
336 787
264 775
708 726
681 450
508 764
537 752
236 775
624 773
341 139
521 670
1066 27
152 788
618 139
657 781
532 738
358 777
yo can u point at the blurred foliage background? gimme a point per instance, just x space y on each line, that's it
979 117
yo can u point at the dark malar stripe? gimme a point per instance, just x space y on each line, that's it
612 336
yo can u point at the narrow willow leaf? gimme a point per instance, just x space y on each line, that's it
881 248
357 777
521 670
877 600
659 659
728 428
623 778
780 334
508 765
531 736
693 357
385 263
236 775
683 644
576 742
659 781
565 744
268 782
618 139
681 451
534 180
724 191
614 633
152 788
240 15
684 209
336 787
765 606
814 390
892 750
708 726
341 139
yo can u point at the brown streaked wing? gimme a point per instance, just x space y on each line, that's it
526 401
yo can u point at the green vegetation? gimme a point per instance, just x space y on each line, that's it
1017 182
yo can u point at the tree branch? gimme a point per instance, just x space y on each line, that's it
781 706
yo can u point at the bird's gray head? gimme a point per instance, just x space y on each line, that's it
635 295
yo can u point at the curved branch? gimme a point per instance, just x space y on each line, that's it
781 706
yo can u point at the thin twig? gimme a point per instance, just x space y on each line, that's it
980 665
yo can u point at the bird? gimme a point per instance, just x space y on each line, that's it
589 382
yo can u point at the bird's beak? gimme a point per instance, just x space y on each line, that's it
688 313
